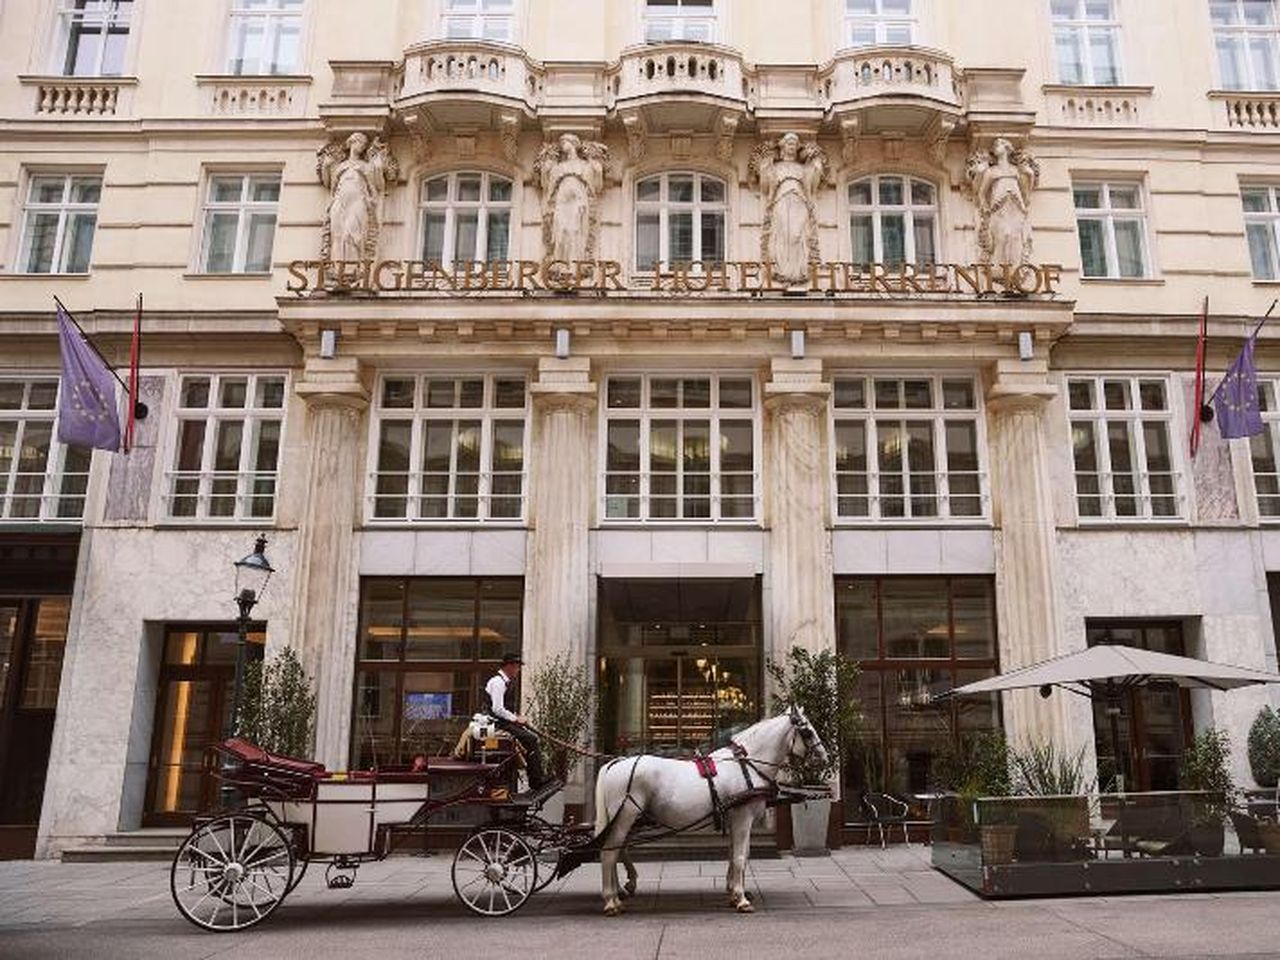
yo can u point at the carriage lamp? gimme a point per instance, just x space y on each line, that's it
253 573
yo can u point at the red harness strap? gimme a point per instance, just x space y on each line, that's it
706 766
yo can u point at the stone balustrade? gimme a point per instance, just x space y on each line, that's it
468 66
679 68
1095 106
254 97
1248 111
79 97
892 72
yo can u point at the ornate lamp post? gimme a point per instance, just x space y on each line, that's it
252 575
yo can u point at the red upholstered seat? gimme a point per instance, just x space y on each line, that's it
252 753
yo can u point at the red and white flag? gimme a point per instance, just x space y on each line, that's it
135 358
1198 406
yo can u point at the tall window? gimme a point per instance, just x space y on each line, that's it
240 223
908 448
894 220
1246 35
679 20
58 223
1086 39
1112 227
465 217
93 37
228 447
426 648
479 20
266 36
1262 226
680 218
915 638
1120 438
450 448
40 478
1265 448
872 23
680 448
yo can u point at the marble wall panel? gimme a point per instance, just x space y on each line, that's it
1212 478
130 480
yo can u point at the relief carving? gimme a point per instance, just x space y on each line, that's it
571 175
789 174
357 174
1002 180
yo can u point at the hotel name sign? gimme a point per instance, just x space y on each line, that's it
606 276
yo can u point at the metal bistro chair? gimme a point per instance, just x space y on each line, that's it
884 810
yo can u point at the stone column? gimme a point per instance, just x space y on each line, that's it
562 478
325 562
1026 543
801 579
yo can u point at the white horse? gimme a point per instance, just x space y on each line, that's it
673 795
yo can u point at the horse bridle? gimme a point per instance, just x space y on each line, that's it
801 727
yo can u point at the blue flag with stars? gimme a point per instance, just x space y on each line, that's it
1235 405
87 415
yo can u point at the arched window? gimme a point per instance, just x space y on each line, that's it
893 220
680 218
465 216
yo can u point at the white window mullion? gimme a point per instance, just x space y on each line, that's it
942 479
484 483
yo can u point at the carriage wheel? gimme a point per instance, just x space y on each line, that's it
494 872
231 872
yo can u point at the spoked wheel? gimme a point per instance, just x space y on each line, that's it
494 872
231 872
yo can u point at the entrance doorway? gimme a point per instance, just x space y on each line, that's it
193 704
679 663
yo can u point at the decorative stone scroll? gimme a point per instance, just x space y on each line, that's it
357 174
1002 180
571 175
789 174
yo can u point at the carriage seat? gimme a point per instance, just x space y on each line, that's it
252 753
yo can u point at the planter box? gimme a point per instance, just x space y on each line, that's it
810 822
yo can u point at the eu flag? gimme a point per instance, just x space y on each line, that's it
87 415
1235 404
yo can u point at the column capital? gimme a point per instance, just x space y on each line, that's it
1020 385
564 385
796 384
339 382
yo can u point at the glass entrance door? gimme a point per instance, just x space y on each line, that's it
679 664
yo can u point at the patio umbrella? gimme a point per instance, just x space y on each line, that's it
1109 669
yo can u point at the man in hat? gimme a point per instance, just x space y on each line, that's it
513 723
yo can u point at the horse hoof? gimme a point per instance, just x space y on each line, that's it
744 906
630 889
612 909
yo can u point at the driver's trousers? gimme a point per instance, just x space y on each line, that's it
532 755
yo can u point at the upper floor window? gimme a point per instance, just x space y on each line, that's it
227 453
907 448
239 223
680 448
1120 438
450 448
1112 227
1262 226
894 220
266 36
873 23
479 20
40 478
93 37
1086 40
59 220
1246 35
680 218
1265 449
679 20
466 217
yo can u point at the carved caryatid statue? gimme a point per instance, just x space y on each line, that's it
571 175
789 174
357 174
1002 180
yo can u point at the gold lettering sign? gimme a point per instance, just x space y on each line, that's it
686 279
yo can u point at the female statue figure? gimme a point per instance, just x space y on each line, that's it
571 174
1002 180
357 177
789 174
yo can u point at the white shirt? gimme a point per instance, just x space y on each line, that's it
496 688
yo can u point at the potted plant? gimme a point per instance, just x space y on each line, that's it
983 772
824 685
1264 748
561 705
278 707
1057 779
1206 767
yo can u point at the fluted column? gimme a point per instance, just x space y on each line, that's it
801 581
336 400
1026 548
561 480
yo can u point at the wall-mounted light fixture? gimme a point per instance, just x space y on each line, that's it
797 344
328 344
1026 349
562 344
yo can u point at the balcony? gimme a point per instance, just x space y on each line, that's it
679 85
1072 105
81 98
466 74
1246 110
893 77
275 97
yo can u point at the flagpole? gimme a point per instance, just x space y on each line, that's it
92 345
1265 317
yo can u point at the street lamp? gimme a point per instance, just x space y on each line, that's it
253 573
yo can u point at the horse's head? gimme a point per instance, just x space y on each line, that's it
805 741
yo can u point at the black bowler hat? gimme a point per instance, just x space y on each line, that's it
511 658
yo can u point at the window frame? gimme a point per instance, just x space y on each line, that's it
69 24
1270 218
273 18
53 486
65 208
243 208
1083 28
1240 32
1269 406
909 211
1099 418
680 18
478 18
881 23
938 416
1109 215
646 413
419 414
251 417
451 207
665 207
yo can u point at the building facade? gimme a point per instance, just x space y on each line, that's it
663 336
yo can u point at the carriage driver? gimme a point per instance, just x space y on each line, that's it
512 723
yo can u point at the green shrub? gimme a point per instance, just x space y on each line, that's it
1264 748
1045 770
1206 765
825 686
560 704
278 707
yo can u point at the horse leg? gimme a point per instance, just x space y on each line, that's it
633 877
740 821
613 846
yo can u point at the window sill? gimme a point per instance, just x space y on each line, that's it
198 275
19 275
215 523
1135 281
933 523
1099 89
1131 523
291 79
40 79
